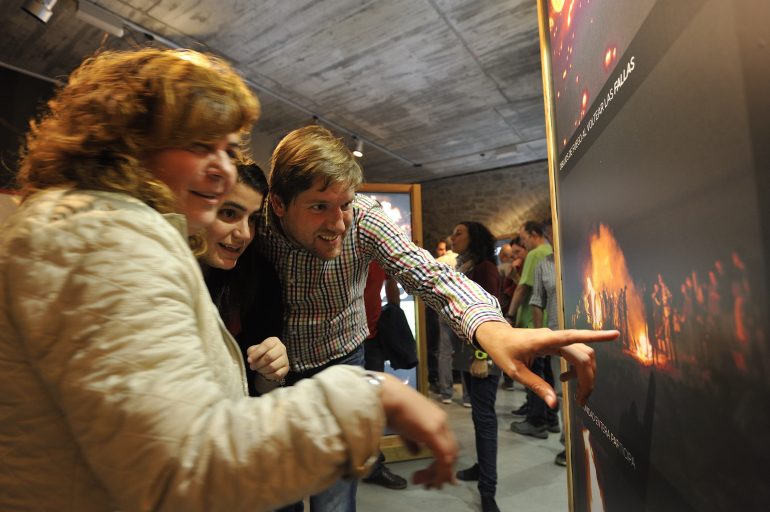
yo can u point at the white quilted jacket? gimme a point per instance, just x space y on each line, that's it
121 390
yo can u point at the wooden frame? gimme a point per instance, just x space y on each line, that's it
553 158
391 445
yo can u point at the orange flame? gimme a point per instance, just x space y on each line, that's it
607 275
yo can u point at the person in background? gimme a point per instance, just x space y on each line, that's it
445 254
447 340
538 422
432 333
548 230
441 248
504 267
446 337
508 288
505 258
374 356
543 302
475 245
121 388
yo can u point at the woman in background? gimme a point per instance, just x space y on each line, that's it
475 245
119 389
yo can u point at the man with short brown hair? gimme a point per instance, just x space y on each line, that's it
321 237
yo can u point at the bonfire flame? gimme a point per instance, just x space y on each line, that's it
612 298
707 320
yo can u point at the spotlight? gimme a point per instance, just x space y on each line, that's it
100 18
42 10
359 151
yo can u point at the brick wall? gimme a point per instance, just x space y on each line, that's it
502 200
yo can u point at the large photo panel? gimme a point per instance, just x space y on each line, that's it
661 182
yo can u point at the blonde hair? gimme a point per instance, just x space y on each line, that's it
306 154
119 107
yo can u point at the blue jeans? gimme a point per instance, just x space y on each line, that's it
340 497
483 393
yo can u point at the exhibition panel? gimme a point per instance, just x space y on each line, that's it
658 131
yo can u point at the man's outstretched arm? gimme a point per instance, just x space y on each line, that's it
511 349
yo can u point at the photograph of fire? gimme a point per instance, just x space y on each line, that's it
671 331
663 235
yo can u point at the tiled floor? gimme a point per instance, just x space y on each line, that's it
528 479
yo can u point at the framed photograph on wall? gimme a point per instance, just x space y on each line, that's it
403 204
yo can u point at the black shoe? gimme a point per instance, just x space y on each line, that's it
386 478
528 429
522 411
488 503
470 474
561 458
553 427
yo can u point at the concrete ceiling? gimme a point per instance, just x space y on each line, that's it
442 87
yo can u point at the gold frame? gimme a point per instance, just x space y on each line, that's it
553 156
391 445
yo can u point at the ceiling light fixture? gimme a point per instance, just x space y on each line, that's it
100 18
359 151
42 10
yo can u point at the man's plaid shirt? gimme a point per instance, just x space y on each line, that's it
324 316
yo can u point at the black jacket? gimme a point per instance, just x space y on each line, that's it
398 344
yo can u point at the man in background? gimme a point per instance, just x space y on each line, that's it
508 287
374 356
444 253
543 302
533 238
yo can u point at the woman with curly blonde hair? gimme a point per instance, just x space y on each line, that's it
120 387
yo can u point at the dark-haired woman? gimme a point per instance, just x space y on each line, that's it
243 285
475 245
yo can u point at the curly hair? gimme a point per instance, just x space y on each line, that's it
306 154
119 107
481 244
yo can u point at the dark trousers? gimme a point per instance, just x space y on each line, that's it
483 393
539 412
432 335
374 360
374 356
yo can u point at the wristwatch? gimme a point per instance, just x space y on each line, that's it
375 379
